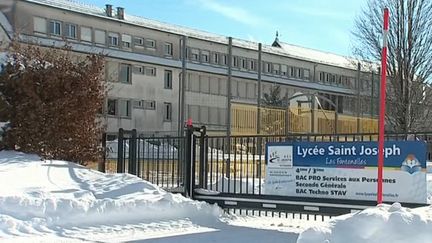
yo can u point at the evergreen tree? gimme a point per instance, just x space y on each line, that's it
273 98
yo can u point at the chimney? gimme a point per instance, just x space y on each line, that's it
108 10
120 13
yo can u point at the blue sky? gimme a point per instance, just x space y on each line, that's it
319 24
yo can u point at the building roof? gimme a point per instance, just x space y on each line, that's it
285 49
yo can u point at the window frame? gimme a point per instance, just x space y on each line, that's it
168 79
111 37
215 58
67 31
141 40
167 112
123 41
115 107
129 73
205 55
105 37
81 33
147 41
152 73
168 49
54 26
44 25
128 108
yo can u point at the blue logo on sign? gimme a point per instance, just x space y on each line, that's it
411 164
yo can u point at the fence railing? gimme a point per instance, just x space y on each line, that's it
296 120
233 166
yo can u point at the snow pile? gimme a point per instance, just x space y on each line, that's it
384 223
40 197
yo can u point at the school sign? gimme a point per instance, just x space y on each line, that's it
346 170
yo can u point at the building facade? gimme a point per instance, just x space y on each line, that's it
145 65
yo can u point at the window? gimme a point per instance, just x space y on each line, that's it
252 64
138 41
112 71
39 25
244 63
276 68
306 74
284 70
234 89
235 61
167 111
194 55
222 116
205 56
150 71
124 108
55 27
168 49
168 79
150 43
204 84
193 112
204 114
100 37
299 73
113 39
267 67
216 58
321 76
149 105
145 104
327 77
126 41
291 71
138 69
224 59
71 31
112 107
213 115
86 34
214 85
125 73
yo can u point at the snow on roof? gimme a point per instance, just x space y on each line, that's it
288 50
318 56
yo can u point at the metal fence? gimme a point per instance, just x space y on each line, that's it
233 173
230 171
237 164
159 160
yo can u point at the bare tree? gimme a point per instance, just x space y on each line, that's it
409 58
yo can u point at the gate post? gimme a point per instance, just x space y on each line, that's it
188 162
202 159
120 159
132 168
102 164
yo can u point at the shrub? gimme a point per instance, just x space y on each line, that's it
52 99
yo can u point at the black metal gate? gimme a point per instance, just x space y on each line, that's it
230 171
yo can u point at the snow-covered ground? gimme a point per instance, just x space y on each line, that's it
58 201
385 223
51 201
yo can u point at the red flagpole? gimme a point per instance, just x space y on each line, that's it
382 107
